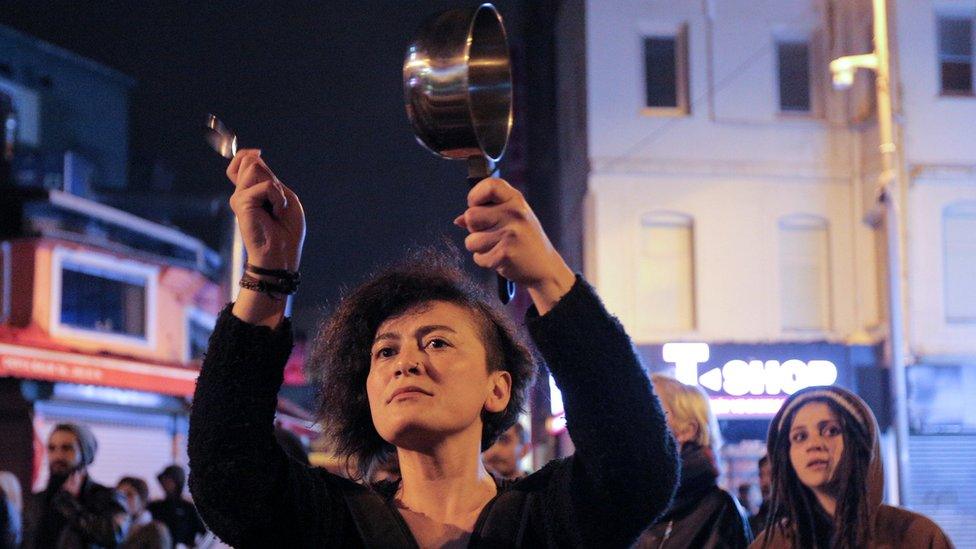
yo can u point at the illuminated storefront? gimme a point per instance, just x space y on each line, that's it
747 384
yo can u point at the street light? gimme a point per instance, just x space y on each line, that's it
888 196
843 68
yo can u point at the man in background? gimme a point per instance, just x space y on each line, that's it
73 510
758 521
503 457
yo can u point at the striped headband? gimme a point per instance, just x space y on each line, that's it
821 393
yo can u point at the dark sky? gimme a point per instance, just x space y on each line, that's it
316 85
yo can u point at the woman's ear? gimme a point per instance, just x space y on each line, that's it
500 392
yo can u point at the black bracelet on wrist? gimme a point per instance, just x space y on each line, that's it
281 274
274 290
286 281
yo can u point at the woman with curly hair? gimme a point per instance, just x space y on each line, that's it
418 367
828 480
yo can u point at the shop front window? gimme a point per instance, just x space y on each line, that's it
103 302
102 298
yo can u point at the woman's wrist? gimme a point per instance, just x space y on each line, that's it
260 308
548 291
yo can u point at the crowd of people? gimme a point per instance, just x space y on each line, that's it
422 381
75 511
420 374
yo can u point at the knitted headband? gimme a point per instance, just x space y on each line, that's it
834 397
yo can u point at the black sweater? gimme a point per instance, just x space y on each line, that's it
620 479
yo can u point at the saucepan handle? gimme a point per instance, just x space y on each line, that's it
480 167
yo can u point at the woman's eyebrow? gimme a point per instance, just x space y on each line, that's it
420 332
385 335
424 330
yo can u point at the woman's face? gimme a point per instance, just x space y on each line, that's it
816 444
429 378
683 432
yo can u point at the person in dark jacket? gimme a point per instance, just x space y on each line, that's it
828 480
11 507
758 521
144 532
703 515
179 515
73 511
418 363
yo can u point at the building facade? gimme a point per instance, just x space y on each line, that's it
730 193
70 111
104 316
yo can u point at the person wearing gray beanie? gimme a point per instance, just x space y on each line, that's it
828 479
87 443
73 510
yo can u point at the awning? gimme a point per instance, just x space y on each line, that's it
34 363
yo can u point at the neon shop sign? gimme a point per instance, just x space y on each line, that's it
741 378
745 388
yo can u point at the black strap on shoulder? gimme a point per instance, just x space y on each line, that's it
503 524
375 520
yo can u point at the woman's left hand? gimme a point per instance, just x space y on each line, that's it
505 236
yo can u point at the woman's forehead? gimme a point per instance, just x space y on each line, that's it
813 412
444 313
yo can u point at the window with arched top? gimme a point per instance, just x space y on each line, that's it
959 259
666 273
804 273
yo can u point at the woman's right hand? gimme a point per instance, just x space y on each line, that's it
272 240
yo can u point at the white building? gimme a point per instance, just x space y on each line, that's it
748 202
729 183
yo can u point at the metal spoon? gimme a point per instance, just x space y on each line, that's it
220 137
224 141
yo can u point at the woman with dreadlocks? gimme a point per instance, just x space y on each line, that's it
828 480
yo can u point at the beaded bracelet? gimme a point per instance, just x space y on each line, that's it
287 281
274 291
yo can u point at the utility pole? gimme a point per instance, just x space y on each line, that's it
889 197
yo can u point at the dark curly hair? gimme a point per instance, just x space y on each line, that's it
340 357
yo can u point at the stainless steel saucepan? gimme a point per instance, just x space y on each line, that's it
457 83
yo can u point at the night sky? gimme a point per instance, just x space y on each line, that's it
317 86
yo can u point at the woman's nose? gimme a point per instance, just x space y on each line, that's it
409 363
407 369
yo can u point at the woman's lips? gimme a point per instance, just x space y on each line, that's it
818 464
408 392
